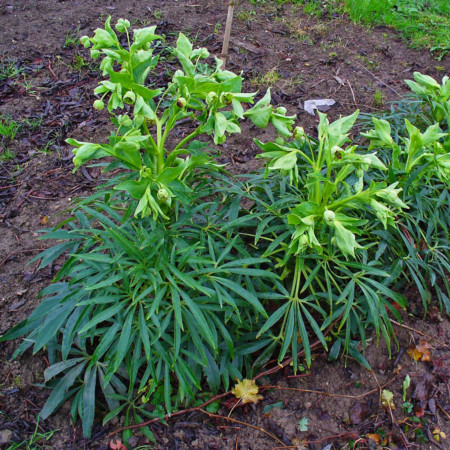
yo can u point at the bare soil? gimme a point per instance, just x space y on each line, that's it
46 84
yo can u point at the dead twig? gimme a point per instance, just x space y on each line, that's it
365 106
351 90
418 332
443 410
432 439
274 369
9 186
347 436
200 410
317 84
378 79
18 252
49 67
255 427
26 196
168 416
329 394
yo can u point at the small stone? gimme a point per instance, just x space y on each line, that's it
5 436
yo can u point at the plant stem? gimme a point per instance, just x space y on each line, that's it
187 138
167 129
317 169
159 148
343 201
296 280
152 142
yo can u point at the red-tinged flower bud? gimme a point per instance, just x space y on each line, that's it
181 102
329 216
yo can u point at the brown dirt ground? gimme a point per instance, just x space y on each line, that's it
301 58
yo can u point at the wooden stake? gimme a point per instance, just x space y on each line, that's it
226 36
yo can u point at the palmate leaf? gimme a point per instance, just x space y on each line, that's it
102 317
246 295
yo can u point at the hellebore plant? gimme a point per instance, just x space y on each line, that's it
419 156
143 142
320 233
170 284
147 306
436 96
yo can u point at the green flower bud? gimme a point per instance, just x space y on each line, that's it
359 173
204 53
162 195
329 216
309 220
98 104
299 132
125 121
129 97
122 25
303 242
95 54
85 42
146 172
211 97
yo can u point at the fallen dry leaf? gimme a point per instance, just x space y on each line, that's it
246 391
438 434
423 387
421 351
419 412
387 399
435 315
117 445
44 220
375 437
231 403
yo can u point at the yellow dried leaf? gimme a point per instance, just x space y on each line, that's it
387 399
375 437
246 391
421 351
438 434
